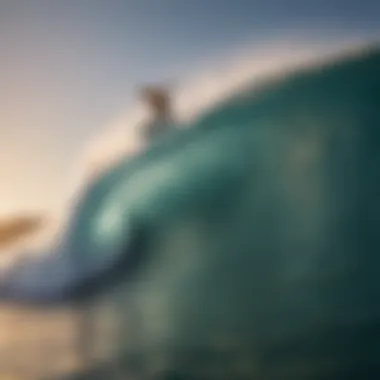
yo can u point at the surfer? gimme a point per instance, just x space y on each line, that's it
158 101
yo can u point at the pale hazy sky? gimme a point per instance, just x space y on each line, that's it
69 66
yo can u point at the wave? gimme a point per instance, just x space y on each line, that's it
196 94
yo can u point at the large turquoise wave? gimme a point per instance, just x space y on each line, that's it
254 232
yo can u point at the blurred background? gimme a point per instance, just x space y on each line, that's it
70 71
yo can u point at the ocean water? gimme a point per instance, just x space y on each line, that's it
37 344
255 253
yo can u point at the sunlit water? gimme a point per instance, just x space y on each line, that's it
35 344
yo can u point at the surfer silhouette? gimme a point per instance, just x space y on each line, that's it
158 101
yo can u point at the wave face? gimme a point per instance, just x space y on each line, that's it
263 235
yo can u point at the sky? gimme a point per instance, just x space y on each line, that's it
69 66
